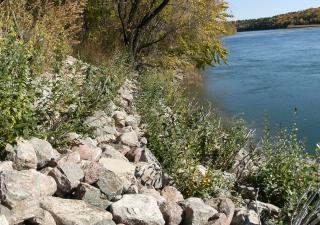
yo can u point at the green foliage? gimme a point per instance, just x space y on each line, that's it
286 170
74 92
184 134
305 17
17 92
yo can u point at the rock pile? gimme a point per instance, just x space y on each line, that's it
112 178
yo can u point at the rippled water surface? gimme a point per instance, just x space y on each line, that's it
271 72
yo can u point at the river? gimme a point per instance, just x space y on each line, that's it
271 73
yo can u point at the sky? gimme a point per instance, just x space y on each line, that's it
251 9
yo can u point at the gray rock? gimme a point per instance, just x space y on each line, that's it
110 184
172 213
105 222
149 175
71 212
119 167
91 195
16 186
171 194
244 216
99 119
6 165
196 211
44 151
137 210
130 139
67 176
153 193
222 205
45 218
24 156
24 210
110 152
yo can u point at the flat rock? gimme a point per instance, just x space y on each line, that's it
149 175
137 209
74 212
130 139
172 213
196 211
171 194
119 167
16 186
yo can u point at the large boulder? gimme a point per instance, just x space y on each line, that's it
224 206
67 176
137 209
23 155
44 152
172 213
16 186
149 175
71 212
171 194
245 216
196 211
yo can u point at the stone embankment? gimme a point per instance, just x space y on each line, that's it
110 179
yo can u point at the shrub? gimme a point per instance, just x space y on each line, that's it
17 92
286 170
184 133
73 92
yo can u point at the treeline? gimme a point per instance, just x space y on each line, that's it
300 18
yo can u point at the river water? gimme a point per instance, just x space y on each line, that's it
271 73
